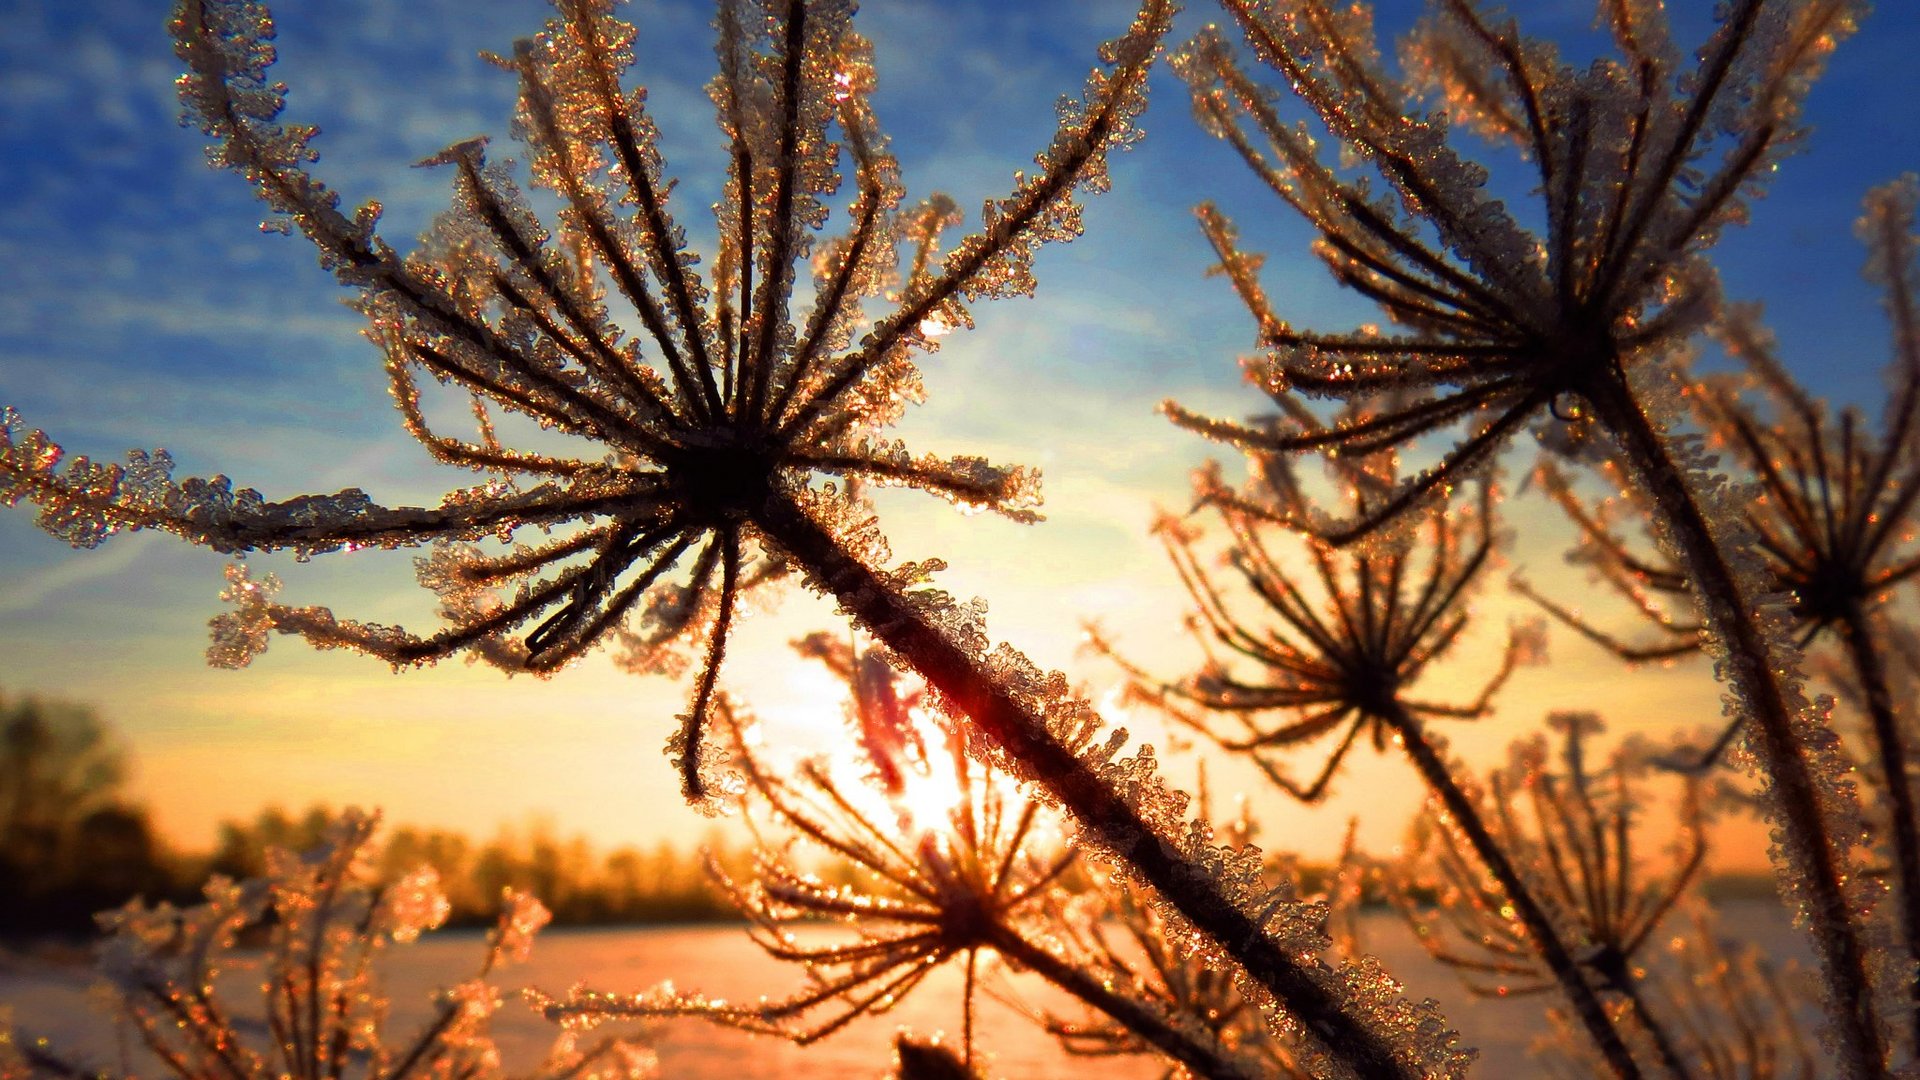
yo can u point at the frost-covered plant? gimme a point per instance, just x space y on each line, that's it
176 976
1123 942
1735 1014
1332 644
691 438
723 442
1640 160
1574 826
1342 660
1833 522
698 442
1740 1013
948 860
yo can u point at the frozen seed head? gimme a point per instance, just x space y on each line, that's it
1575 824
736 390
1324 643
326 919
1642 159
946 858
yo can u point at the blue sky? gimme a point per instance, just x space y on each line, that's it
142 307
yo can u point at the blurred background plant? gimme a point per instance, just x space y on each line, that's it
310 1002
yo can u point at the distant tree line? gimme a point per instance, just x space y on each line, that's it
73 843
580 885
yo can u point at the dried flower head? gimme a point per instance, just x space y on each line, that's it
944 853
1122 941
1388 615
723 408
1732 1010
1348 658
1577 826
1575 830
932 858
1641 162
1834 509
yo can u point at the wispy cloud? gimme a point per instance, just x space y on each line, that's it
31 592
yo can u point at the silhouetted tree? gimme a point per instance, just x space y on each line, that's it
69 845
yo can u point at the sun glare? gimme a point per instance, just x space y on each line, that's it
930 793
893 759
926 784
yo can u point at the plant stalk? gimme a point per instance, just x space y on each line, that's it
1730 618
1206 1059
1870 668
1545 936
1650 1023
1022 734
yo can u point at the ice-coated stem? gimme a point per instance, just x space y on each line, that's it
1023 735
1200 1058
1748 667
1870 668
1540 929
1649 1021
